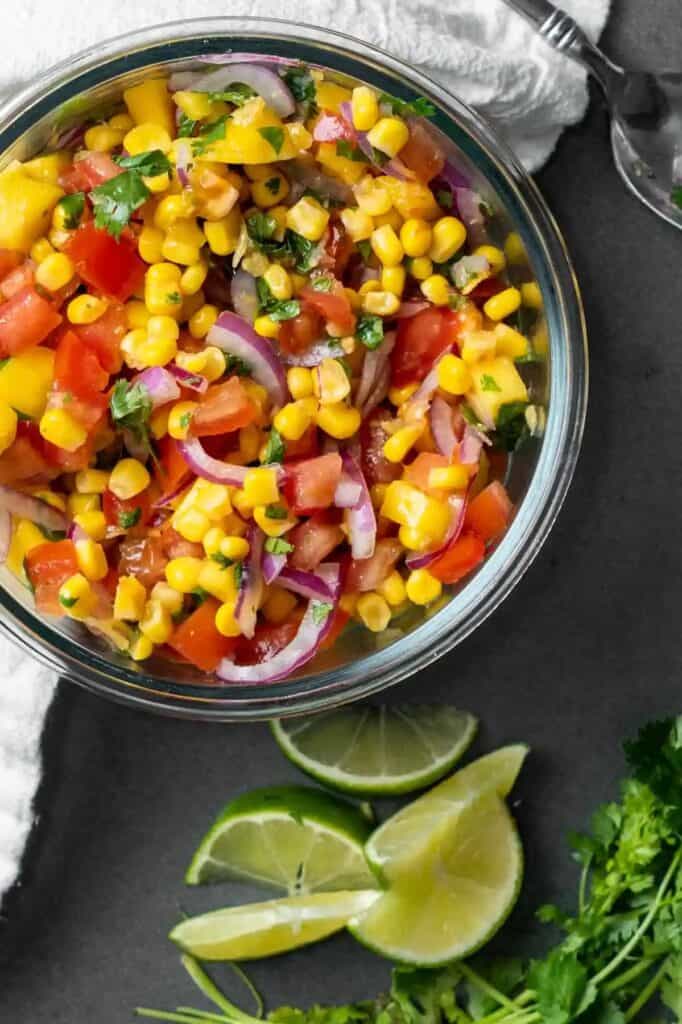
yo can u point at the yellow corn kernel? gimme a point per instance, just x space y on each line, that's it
386 246
8 425
195 105
358 224
150 103
128 478
393 589
514 249
278 606
389 135
168 596
50 498
161 289
421 268
193 278
259 172
393 280
260 486
92 481
293 419
234 548
172 208
256 393
364 108
58 237
55 272
422 588
400 443
201 322
279 214
330 381
102 138
373 611
180 419
453 375
493 255
408 506
218 580
309 218
436 289
183 241
250 440
162 329
398 396
130 599
211 499
76 597
368 286
353 297
212 540
270 191
225 621
477 345
531 295
91 559
150 243
182 573
377 493
60 428
255 263
85 309
372 198
266 327
339 420
158 423
132 347
154 350
448 235
300 382
121 122
156 622
381 303
241 505
49 167
279 282
502 305
141 648
223 235
157 183
272 527
449 478
145 137
93 523
25 538
76 504
40 250
392 218
416 237
137 314
192 524
509 342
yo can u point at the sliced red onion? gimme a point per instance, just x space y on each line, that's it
233 334
5 533
272 566
332 128
135 446
25 506
192 381
208 468
409 309
166 499
458 506
393 167
419 403
307 584
440 420
348 492
374 362
469 207
471 445
244 295
160 383
183 160
250 583
264 58
346 111
71 138
304 175
467 268
453 176
361 520
263 81
381 389
314 355
314 627
76 532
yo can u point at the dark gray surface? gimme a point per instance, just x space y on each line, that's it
585 650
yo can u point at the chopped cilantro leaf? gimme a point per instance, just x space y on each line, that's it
420 106
322 283
200 594
67 602
304 252
73 206
511 429
186 126
278 546
302 86
273 185
274 449
51 534
346 149
116 200
370 330
260 226
213 132
365 250
223 561
276 309
4 362
174 297
22 416
131 407
129 518
320 611
444 198
456 301
237 94
238 571
150 163
488 383
233 364
676 196
275 512
273 135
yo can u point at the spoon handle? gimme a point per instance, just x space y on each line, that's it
560 30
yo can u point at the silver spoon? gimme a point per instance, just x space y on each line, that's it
646 111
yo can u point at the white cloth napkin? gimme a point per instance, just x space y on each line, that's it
479 49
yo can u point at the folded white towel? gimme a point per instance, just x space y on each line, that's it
479 49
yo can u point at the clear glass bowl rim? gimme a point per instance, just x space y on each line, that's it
567 407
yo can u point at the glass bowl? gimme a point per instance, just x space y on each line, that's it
360 663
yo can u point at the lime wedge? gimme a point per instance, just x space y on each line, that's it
403 838
264 929
292 838
455 892
377 750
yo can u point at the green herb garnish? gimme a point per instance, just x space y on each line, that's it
212 132
128 518
150 163
370 330
676 196
365 249
273 135
511 429
444 198
116 200
276 309
200 595
273 185
347 150
223 561
68 602
73 206
260 226
320 611
420 107
233 364
237 94
488 383
131 406
275 512
302 86
278 546
274 449
174 297
186 126
238 571
322 283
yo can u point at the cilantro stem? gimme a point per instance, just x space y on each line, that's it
641 931
582 889
629 975
527 996
178 1018
486 987
208 987
647 992
202 1015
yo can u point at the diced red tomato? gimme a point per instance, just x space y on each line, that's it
267 641
88 411
375 465
175 546
306 447
77 368
86 174
338 247
72 462
466 553
369 573
104 336
174 469
421 339
25 320
421 153
48 566
9 259
299 333
120 512
313 541
17 279
224 408
310 485
417 472
333 305
340 620
490 512
25 459
144 558
483 291
331 127
111 266
197 640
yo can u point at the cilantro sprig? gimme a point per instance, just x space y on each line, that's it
370 330
131 406
115 201
276 309
419 107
